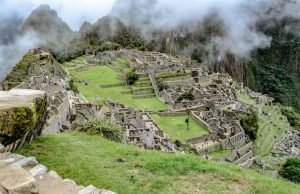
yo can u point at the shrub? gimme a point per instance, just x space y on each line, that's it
162 86
73 87
109 46
131 78
104 128
292 116
291 170
249 123
178 143
186 96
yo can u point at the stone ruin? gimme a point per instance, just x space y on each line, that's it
258 97
214 106
43 105
139 128
59 104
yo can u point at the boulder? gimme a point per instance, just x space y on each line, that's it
89 190
16 180
103 191
54 175
27 162
2 148
38 170
3 190
68 181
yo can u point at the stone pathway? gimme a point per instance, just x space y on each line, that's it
23 175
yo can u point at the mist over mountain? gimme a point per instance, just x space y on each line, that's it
48 27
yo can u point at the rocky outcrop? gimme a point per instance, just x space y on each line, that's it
288 145
22 114
21 175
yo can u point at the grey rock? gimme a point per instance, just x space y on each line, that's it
8 161
88 190
103 191
275 174
27 162
68 181
2 148
38 170
3 190
54 175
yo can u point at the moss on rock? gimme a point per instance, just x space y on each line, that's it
16 122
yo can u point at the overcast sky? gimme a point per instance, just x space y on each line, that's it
74 12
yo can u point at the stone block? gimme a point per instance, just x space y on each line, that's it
38 170
54 175
2 148
88 190
68 181
27 162
16 180
103 191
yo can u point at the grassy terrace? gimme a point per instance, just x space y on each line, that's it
93 160
97 75
219 154
271 125
176 128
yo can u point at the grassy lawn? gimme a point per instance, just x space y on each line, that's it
93 160
219 154
176 128
97 75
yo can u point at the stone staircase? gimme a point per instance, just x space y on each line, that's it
243 156
23 175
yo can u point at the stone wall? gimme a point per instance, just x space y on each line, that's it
211 148
235 141
22 115
202 123
201 139
55 123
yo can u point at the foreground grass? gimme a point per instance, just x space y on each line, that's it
93 160
97 75
175 127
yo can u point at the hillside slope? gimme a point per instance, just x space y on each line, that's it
127 169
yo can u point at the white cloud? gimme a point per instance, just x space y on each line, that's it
72 12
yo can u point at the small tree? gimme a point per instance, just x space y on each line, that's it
249 123
131 78
73 87
186 96
292 116
162 86
291 170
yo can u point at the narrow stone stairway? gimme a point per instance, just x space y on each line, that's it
23 175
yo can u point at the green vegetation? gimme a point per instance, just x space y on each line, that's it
131 78
291 170
272 124
104 128
175 127
73 87
90 159
218 154
16 122
273 70
186 96
292 116
249 123
108 46
98 75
